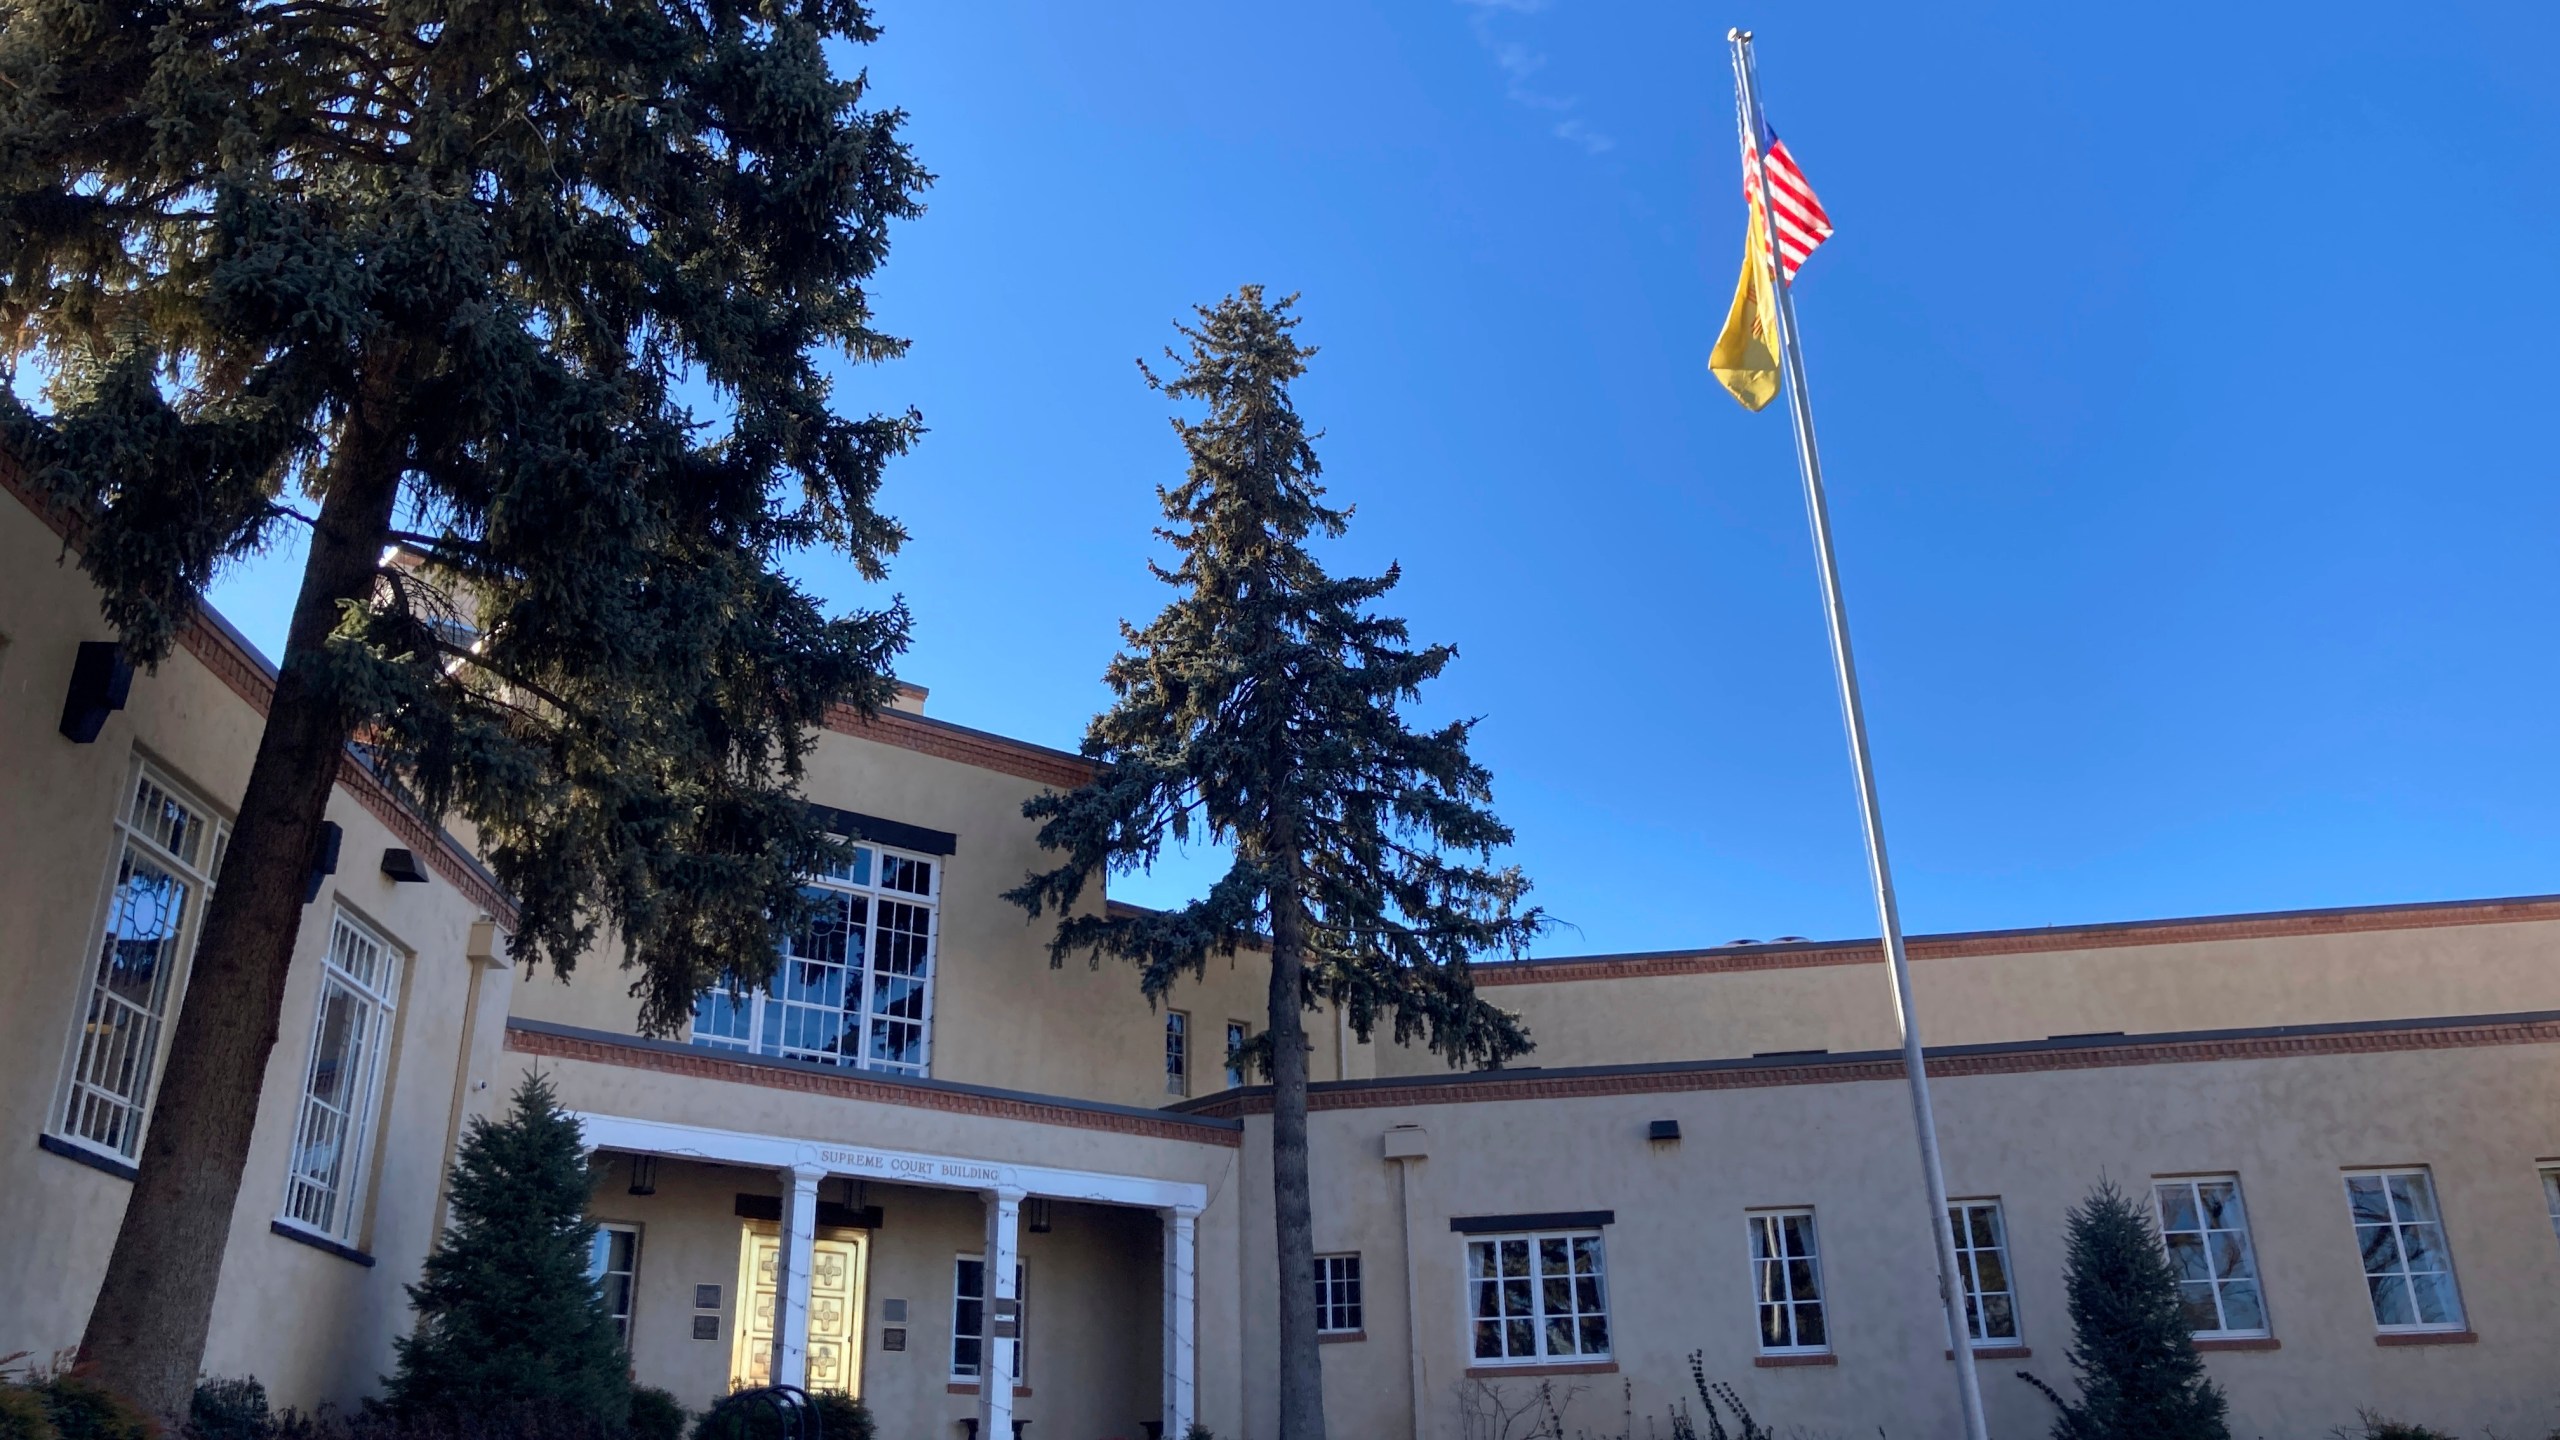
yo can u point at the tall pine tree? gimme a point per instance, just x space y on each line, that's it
1261 710
2140 1376
448 272
509 1323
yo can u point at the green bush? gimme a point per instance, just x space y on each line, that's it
230 1410
655 1414
841 1417
22 1414
83 1409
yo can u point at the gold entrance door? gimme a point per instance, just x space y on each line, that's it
835 1309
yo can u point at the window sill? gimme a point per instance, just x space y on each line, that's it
1561 1367
1998 1352
1340 1337
2426 1337
2208 1345
970 1387
1789 1362
323 1243
83 1155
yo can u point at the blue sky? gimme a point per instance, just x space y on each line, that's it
2183 383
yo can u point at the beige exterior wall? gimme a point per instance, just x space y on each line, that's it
2479 1117
1758 1000
314 1326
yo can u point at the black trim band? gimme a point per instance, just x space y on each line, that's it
831 1216
1544 1220
87 1156
321 1243
854 826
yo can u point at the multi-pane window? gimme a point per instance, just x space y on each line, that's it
342 1081
2408 1269
852 984
1786 1277
1338 1294
1177 1053
969 1319
1237 1034
1982 1266
2551 1196
166 852
613 1263
1537 1297
2206 1230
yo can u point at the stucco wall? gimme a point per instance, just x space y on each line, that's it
2479 1116
315 1327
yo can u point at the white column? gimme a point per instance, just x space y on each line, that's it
1003 1312
1181 1348
791 1274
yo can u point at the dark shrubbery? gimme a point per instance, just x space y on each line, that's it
2372 1426
230 1410
22 1414
655 1414
840 1417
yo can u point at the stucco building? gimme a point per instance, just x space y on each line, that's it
986 1193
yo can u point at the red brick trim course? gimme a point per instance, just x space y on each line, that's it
1495 1085
713 1065
968 747
2057 940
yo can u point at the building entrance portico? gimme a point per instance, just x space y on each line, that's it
802 1314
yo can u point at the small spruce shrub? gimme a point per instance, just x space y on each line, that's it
1198 1431
2139 1375
657 1415
509 1324
840 1417
230 1410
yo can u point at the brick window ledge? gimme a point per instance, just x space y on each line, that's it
1789 1362
970 1387
2427 1337
1575 1367
82 1154
1340 1337
2208 1345
1999 1352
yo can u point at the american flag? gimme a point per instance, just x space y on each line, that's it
1802 223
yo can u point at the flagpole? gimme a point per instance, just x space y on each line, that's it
1836 610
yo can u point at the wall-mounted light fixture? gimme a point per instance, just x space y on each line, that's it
644 1174
1663 1132
101 679
324 858
1035 1214
402 866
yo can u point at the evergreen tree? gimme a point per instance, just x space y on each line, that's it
1260 709
509 1321
448 274
2140 1376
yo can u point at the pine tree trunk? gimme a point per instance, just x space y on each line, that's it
1301 1365
146 1335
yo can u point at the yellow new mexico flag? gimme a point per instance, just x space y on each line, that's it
1745 360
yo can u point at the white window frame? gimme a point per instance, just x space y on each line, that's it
1238 1033
340 1200
1338 1295
2551 1194
600 1268
766 1019
1765 1232
2205 1234
80 1103
1021 1320
1969 1252
2398 1228
1537 1315
1177 1052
